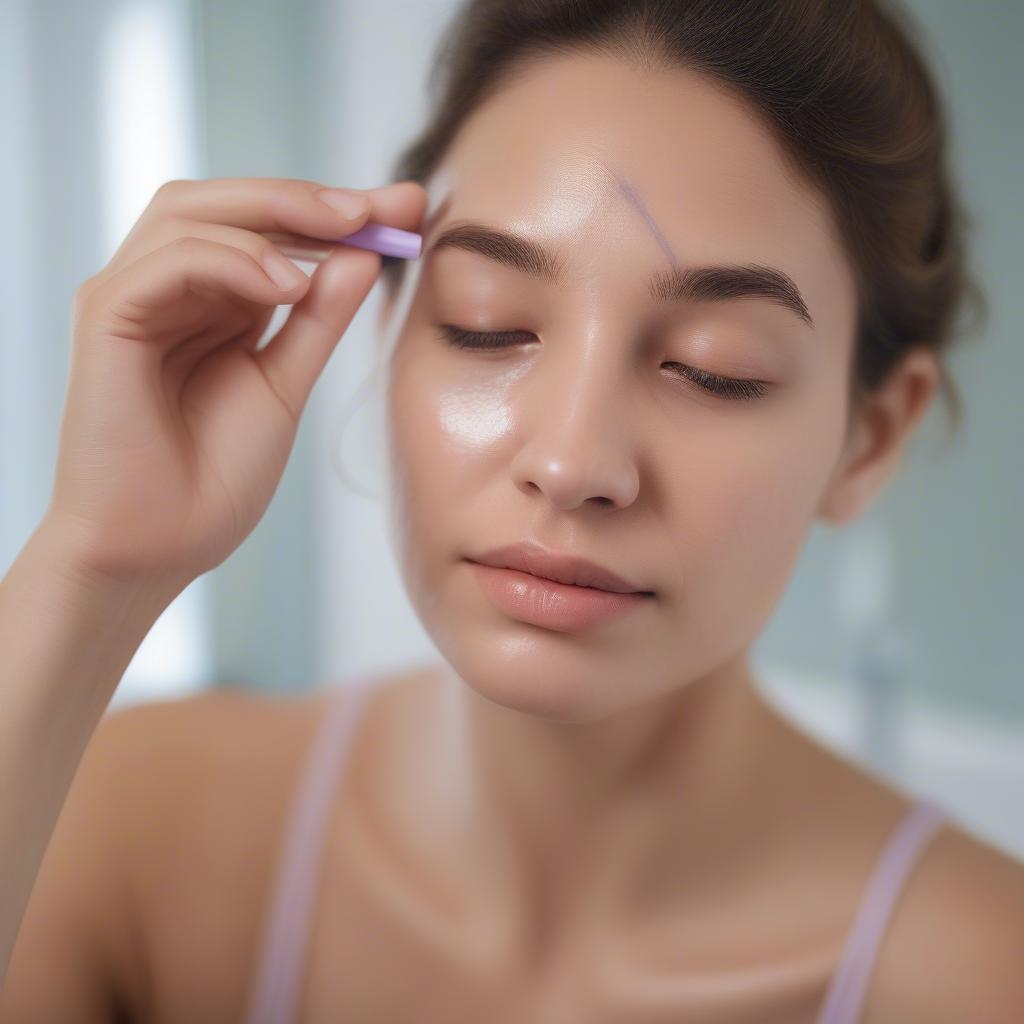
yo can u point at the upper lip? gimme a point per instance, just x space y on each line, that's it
532 558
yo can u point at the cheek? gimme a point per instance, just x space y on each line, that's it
446 427
738 528
764 478
472 421
748 508
447 415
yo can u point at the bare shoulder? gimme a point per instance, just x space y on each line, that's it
189 764
204 788
954 948
208 753
212 709
178 757
136 846
213 722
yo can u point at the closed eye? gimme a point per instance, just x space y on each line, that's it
724 387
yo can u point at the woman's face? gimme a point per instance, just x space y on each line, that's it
588 432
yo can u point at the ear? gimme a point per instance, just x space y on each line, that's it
878 436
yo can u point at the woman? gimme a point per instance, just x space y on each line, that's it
689 271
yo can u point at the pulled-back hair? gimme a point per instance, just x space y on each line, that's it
849 99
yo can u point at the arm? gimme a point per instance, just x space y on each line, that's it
78 951
66 638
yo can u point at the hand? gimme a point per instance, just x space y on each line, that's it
176 430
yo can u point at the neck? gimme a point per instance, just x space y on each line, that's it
543 820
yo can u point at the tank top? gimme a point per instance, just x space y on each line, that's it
274 993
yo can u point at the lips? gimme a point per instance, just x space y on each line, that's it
581 572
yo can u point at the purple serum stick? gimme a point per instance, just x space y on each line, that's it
388 241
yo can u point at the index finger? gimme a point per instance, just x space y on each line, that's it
288 205
399 205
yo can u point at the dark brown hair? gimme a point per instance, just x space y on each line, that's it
849 99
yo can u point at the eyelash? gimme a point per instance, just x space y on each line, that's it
730 388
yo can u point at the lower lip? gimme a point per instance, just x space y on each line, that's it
559 606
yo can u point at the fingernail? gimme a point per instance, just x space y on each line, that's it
346 203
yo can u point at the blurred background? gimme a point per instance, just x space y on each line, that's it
895 641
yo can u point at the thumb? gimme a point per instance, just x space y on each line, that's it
294 358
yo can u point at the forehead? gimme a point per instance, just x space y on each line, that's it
555 151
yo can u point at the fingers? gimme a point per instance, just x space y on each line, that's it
400 205
161 279
284 205
295 357
257 204
209 236
261 248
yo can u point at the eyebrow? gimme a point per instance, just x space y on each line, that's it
693 284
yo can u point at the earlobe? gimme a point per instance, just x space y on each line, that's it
879 436
840 501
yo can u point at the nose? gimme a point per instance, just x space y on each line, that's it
575 446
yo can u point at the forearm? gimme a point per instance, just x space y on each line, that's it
65 642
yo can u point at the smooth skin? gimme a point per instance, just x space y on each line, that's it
543 828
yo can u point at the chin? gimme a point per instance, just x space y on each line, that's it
514 673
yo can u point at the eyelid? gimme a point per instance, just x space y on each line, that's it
485 339
738 388
714 384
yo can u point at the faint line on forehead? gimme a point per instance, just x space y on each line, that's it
631 194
